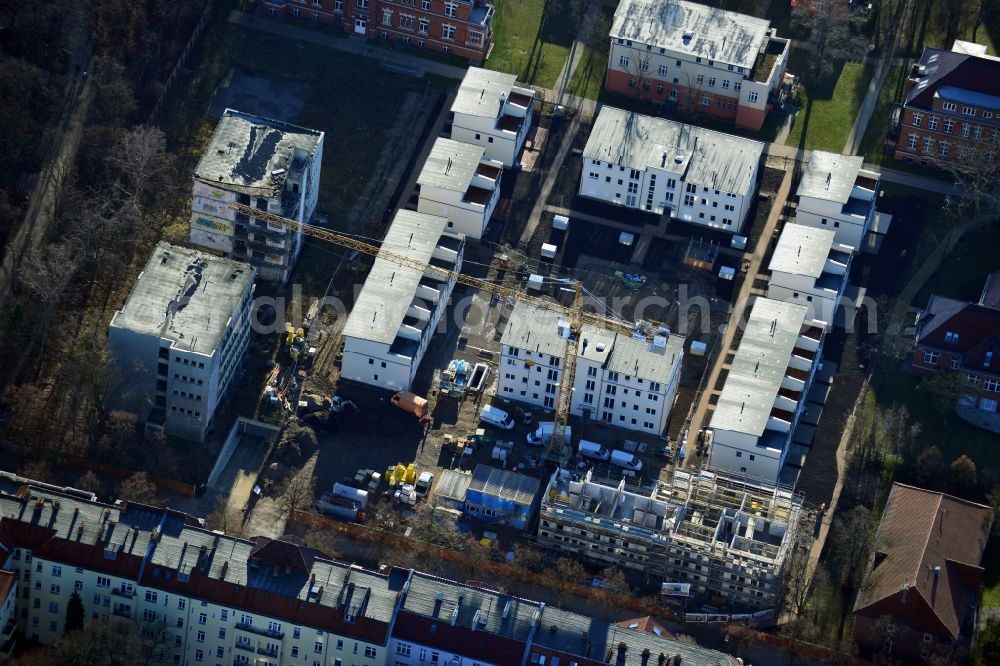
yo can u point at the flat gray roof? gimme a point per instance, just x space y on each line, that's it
687 27
759 367
700 156
186 296
252 155
802 250
451 165
389 288
830 176
482 92
534 328
504 484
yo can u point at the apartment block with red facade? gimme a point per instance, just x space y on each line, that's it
961 337
460 27
922 585
696 58
951 108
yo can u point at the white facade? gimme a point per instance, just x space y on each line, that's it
399 308
668 168
266 164
492 111
620 380
458 183
808 268
765 391
837 193
176 344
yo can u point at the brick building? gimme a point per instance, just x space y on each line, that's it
951 104
922 584
958 336
461 27
697 58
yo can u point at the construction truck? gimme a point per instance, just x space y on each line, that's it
411 402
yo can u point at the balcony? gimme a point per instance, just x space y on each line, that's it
260 631
118 592
267 652
8 629
248 647
122 611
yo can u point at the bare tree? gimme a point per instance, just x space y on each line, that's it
38 470
225 518
138 488
976 178
90 483
47 274
296 493
835 34
475 556
140 160
383 523
613 585
795 589
638 72
563 575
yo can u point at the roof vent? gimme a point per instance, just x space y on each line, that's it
600 347
678 159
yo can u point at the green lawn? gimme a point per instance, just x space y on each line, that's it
588 78
873 142
828 107
991 577
532 39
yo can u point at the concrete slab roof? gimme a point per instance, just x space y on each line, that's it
451 165
700 156
390 287
830 176
687 27
759 367
483 92
802 250
252 155
185 296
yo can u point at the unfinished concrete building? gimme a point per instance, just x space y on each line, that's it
723 540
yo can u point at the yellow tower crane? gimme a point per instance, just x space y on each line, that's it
575 313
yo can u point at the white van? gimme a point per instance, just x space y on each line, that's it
543 435
626 460
495 416
593 450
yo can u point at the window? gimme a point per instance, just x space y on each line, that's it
151 596
700 79
222 633
623 61
450 9
711 82
949 125
928 145
738 85
948 106
180 622
149 615
725 84
965 130
661 70
318 647
53 607
369 651
199 655
752 96
911 141
475 38
447 32
424 24
991 385
425 5
706 100
200 637
224 614
951 337
202 618
930 358
363 4
56 570
932 123
386 17
943 148
917 119
53 589
968 111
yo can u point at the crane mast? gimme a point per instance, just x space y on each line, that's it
575 313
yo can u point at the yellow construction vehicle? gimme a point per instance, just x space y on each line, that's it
575 313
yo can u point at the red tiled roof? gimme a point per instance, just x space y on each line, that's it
926 568
648 625
977 327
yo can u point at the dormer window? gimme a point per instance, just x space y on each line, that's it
988 360
951 338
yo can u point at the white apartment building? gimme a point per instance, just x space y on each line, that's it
765 391
396 313
700 59
177 342
837 193
269 165
492 111
721 536
809 268
459 183
620 379
668 168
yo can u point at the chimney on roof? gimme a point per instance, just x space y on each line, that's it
829 178
905 588
447 168
937 572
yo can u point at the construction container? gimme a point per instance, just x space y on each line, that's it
560 222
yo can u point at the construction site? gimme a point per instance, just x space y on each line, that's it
723 541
